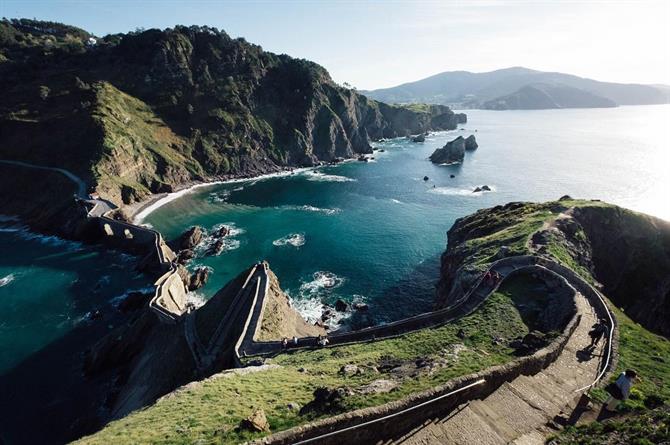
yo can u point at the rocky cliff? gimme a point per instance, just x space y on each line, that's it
626 252
144 112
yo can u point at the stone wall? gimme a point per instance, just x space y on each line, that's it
136 240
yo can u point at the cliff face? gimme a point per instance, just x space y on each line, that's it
144 112
628 253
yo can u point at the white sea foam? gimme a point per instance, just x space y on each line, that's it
309 208
50 240
6 279
195 299
229 242
313 175
451 191
396 201
219 197
293 239
321 280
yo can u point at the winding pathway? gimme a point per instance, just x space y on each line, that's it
100 206
518 411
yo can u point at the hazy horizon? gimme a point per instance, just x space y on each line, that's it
373 45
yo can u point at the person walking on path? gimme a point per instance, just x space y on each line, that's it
620 390
598 331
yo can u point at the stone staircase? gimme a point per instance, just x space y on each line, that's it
521 411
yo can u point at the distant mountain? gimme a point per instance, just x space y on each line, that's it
542 96
473 90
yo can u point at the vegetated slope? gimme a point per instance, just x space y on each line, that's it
623 251
545 96
378 372
144 112
474 89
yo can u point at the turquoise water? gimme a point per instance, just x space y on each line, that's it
48 286
373 232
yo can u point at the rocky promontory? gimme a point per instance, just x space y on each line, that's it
627 252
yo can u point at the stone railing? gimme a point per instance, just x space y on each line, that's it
363 425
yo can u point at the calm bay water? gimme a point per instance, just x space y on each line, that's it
369 232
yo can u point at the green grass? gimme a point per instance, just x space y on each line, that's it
211 412
652 427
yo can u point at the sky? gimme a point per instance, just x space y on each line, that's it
376 44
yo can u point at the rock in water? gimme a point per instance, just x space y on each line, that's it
198 279
341 306
426 178
419 138
471 143
257 421
190 238
453 151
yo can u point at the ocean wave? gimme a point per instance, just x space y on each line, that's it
294 239
309 208
313 175
228 242
6 280
395 201
219 197
50 240
116 301
322 280
452 191
195 299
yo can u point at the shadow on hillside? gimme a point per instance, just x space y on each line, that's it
45 398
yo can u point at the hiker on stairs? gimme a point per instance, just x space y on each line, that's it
598 331
620 390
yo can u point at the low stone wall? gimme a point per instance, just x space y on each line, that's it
494 377
599 305
169 301
136 240
466 305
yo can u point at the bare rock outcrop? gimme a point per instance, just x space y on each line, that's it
453 151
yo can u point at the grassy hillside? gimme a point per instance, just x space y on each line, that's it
210 411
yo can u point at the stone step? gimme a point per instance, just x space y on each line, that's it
511 415
532 438
466 428
541 395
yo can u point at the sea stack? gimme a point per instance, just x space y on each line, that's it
453 151
471 143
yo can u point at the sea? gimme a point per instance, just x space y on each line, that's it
364 232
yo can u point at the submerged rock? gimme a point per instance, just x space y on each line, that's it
453 151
